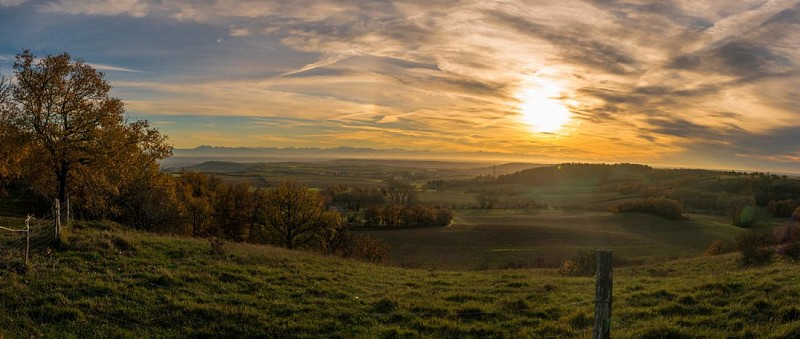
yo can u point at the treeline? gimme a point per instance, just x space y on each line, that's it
408 216
395 205
739 195
577 174
64 139
662 207
724 195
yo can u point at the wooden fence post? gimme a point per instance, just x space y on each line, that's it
57 220
602 303
69 213
27 237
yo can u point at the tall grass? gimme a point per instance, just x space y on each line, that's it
112 283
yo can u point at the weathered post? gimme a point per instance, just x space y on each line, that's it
602 303
27 238
69 213
57 221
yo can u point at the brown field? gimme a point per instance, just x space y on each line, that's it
505 239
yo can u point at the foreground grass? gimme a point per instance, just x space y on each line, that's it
111 283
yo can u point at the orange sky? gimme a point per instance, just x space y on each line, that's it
682 83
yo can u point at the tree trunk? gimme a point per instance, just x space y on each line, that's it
63 172
289 242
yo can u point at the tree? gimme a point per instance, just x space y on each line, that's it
150 202
487 199
11 150
64 109
297 214
402 193
197 192
234 206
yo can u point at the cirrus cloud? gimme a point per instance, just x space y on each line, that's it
647 80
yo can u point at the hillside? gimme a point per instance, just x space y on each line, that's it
111 283
491 239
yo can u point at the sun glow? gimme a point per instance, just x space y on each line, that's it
542 107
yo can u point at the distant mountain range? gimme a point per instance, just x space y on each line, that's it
189 157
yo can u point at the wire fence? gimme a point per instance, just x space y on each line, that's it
39 233
19 237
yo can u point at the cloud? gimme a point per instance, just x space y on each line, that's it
134 8
103 67
326 60
642 79
9 3
239 32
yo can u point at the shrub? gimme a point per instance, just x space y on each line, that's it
583 264
217 246
782 208
368 249
755 248
662 207
719 246
788 238
580 320
385 306
790 250
787 233
443 217
744 216
343 242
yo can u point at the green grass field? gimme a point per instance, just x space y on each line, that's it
111 283
490 239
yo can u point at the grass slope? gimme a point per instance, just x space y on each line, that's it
490 239
111 283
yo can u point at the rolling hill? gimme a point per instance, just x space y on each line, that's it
106 282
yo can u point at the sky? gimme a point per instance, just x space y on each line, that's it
687 83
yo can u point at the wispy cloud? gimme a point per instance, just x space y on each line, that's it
135 8
12 2
103 67
643 79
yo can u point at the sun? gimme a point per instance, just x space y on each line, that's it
541 107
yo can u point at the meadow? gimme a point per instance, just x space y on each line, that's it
108 282
492 272
492 239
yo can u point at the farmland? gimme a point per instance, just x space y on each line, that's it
531 222
492 271
501 238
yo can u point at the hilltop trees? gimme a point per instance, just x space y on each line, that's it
401 193
70 124
662 207
63 135
10 154
297 214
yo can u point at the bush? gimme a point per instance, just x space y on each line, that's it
788 233
368 249
782 208
583 264
788 238
217 246
755 248
719 246
790 250
662 207
744 216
